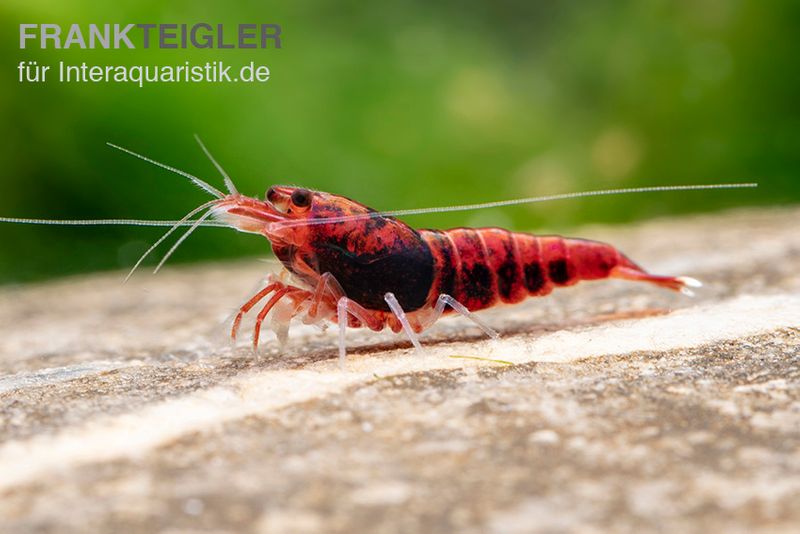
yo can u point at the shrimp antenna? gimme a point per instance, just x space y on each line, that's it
517 201
108 222
565 196
228 182
194 179
169 232
186 234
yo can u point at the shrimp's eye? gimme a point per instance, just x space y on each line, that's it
301 198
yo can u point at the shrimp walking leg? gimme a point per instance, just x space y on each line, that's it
249 305
327 286
344 307
284 311
264 311
394 305
447 300
341 311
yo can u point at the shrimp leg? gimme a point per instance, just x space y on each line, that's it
447 300
265 310
394 305
247 306
345 306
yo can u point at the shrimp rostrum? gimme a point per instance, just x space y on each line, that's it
357 267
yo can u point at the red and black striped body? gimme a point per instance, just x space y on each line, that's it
372 255
383 272
482 267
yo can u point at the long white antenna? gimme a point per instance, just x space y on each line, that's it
517 201
167 234
108 222
181 240
565 196
228 182
195 180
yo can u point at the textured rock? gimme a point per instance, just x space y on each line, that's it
625 407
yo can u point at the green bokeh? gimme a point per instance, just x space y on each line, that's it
400 105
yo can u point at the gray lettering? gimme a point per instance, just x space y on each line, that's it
146 33
95 35
164 34
221 38
245 34
206 39
24 35
122 35
51 32
271 31
74 36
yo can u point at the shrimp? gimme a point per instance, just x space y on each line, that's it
356 267
359 268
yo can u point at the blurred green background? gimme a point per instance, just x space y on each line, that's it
400 105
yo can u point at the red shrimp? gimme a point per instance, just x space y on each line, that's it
360 268
357 267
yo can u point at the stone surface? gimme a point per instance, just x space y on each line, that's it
624 407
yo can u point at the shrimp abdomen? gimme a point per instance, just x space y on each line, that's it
482 267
